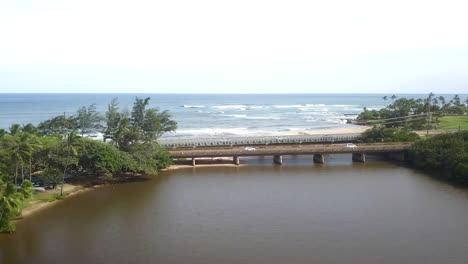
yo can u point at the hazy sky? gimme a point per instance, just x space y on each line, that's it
367 46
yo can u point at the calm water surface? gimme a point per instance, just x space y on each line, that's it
339 212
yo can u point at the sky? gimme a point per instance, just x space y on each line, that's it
253 46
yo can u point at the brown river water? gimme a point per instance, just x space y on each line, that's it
339 212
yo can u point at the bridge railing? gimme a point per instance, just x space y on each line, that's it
236 141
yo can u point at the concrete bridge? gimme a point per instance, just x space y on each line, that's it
264 140
358 152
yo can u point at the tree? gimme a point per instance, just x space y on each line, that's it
51 177
144 125
10 201
113 118
88 120
456 101
138 111
156 124
15 129
30 129
71 140
57 125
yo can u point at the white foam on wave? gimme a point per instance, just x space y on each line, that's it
288 106
263 117
193 106
208 132
230 107
239 116
257 107
255 117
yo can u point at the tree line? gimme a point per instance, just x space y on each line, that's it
414 113
62 147
396 121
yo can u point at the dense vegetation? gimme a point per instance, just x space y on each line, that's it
388 134
445 155
60 147
414 113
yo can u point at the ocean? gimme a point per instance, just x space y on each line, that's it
209 115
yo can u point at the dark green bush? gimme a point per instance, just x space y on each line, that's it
445 155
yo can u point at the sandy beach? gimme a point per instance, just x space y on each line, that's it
347 130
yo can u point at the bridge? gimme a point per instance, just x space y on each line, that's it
266 140
358 152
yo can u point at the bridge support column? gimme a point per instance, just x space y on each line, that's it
236 160
278 159
359 157
193 162
318 158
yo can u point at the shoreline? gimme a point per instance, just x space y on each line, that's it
344 130
38 205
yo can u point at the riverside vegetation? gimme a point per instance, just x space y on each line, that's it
445 155
60 148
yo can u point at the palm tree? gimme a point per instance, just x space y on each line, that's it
11 143
71 141
25 144
15 129
9 204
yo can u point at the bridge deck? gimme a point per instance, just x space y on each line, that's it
260 140
294 149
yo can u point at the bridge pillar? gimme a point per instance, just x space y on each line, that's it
318 158
236 160
278 159
359 157
193 161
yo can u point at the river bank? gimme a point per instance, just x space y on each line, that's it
49 198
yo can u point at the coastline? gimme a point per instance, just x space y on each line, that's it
75 189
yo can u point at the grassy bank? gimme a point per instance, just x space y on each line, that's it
453 122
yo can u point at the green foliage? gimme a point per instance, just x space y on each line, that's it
51 177
11 200
103 158
149 158
54 145
384 134
445 154
57 125
88 120
144 125
413 113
